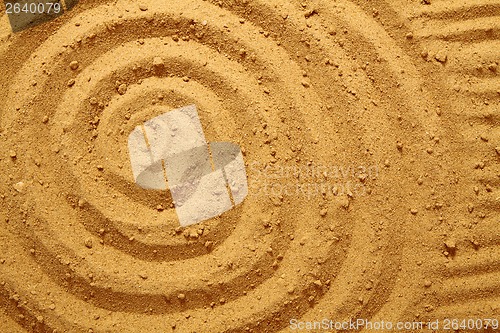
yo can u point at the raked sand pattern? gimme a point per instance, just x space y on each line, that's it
371 139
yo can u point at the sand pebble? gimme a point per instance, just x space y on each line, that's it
71 82
479 165
158 62
181 297
19 187
122 89
88 243
427 283
470 207
12 154
362 177
441 56
323 212
450 244
475 243
143 7
74 65
344 201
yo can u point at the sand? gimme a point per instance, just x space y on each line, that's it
370 133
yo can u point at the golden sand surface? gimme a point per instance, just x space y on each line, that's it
371 137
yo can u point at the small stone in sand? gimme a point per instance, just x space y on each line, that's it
88 243
441 56
158 63
122 89
74 65
450 244
19 187
143 7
